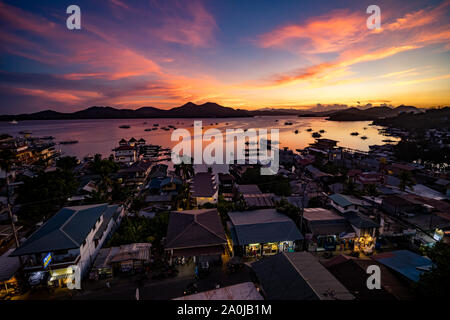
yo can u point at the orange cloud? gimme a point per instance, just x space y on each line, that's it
328 33
345 33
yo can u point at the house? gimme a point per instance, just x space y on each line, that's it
158 171
297 276
397 168
204 188
370 177
9 266
365 230
240 291
132 142
316 174
398 205
345 203
136 173
171 184
262 232
443 185
327 230
195 233
131 257
126 258
352 273
254 198
405 263
125 154
73 236
226 181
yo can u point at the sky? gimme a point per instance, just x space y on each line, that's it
248 54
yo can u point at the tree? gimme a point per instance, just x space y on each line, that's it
371 190
104 168
6 160
67 163
42 196
406 180
436 283
351 188
184 170
289 210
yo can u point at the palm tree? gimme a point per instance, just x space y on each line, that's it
406 180
6 160
184 170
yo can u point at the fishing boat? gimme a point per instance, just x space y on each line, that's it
48 138
364 137
69 142
156 124
296 131
316 135
125 126
288 123
309 129
25 132
354 133
148 129
322 131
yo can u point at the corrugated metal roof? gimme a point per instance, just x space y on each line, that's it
8 265
404 262
241 291
67 229
298 276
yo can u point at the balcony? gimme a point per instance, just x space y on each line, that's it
57 262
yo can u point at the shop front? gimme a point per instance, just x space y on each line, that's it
267 249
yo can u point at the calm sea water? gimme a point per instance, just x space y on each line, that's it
101 136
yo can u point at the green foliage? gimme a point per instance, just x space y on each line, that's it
184 170
436 283
139 229
137 204
276 184
183 198
289 210
315 202
43 195
371 190
351 188
406 180
104 168
67 163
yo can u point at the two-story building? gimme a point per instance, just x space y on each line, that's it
73 236
125 154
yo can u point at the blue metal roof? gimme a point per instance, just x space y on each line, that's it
340 200
405 262
67 229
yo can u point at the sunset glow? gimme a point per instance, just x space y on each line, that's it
251 54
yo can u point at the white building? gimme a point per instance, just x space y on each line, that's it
73 236
125 154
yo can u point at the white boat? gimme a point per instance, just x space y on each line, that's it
14 122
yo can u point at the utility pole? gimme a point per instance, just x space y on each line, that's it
10 212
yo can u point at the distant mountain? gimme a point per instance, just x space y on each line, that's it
419 121
208 110
374 113
213 110
188 110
